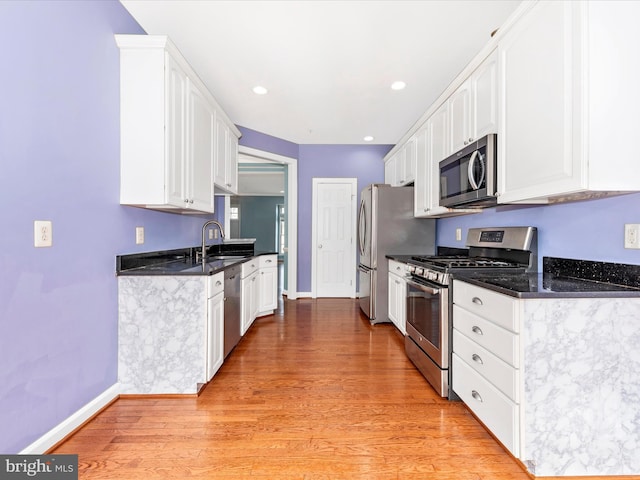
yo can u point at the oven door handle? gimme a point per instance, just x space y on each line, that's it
426 288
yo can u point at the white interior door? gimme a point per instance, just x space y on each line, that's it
334 246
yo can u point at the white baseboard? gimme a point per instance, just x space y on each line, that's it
66 427
304 295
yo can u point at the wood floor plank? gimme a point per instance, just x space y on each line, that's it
313 392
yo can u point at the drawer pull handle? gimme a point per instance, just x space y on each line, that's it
476 395
476 358
268 261
218 283
477 301
477 330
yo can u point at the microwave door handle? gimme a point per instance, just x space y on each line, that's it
474 157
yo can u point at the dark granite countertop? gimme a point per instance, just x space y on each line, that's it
561 278
564 278
182 261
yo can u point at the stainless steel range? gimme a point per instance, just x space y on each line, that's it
491 250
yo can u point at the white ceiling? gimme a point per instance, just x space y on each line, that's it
328 65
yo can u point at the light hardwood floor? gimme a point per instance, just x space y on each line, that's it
313 392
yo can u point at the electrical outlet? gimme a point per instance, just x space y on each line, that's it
139 235
458 234
632 235
215 233
211 237
42 233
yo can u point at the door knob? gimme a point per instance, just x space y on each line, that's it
320 246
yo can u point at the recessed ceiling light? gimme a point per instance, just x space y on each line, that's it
260 90
368 138
399 85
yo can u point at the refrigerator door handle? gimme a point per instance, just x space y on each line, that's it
362 227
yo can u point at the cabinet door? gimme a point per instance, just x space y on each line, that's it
255 296
268 290
390 170
231 170
538 155
201 153
175 130
421 189
397 306
437 150
222 148
408 161
460 117
215 335
246 296
484 98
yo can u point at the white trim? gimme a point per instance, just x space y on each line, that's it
227 219
305 295
292 213
66 427
314 221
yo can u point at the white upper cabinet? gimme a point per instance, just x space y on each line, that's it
570 72
484 98
168 124
460 118
421 190
399 170
226 164
200 151
473 106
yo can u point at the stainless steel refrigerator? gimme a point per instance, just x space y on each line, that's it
386 225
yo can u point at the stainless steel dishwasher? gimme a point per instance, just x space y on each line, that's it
231 308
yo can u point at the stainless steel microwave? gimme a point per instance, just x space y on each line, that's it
468 177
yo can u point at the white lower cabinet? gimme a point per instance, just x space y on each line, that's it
215 325
486 356
492 407
267 284
249 294
170 332
534 372
397 292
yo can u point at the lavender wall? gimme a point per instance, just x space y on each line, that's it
591 230
262 141
59 151
363 162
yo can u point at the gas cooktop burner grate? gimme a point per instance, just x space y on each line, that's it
463 262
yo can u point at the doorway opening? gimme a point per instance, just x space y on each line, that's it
278 201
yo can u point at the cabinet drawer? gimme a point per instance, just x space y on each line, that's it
499 373
249 267
267 261
216 285
397 268
499 414
496 307
497 340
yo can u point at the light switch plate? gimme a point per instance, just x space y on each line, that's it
139 235
42 233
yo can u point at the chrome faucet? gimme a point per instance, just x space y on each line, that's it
203 252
